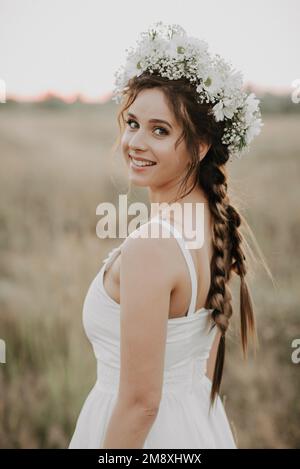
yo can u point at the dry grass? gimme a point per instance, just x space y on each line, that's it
54 172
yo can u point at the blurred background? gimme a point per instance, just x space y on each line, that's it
57 131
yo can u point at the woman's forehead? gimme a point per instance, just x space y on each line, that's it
151 106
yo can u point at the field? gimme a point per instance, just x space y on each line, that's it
57 165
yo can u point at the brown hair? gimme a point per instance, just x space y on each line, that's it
198 125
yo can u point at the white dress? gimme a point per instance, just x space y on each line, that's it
183 419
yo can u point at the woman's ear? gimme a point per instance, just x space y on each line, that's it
203 149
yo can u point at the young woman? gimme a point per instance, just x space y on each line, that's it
157 312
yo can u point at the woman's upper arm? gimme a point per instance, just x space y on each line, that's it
145 289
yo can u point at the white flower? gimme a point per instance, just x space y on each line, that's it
229 107
213 83
218 111
168 50
177 47
251 105
199 45
253 130
234 81
132 68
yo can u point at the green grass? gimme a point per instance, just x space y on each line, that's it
56 167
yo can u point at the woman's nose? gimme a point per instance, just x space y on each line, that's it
137 141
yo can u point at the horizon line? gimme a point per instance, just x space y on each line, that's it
105 97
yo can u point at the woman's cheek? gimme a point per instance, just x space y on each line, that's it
124 140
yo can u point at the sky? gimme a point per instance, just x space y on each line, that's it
72 47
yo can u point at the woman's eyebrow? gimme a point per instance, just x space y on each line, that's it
151 120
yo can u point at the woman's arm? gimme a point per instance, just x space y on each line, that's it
146 282
129 426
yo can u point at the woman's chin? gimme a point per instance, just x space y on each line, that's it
138 181
139 178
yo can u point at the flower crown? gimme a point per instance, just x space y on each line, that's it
168 51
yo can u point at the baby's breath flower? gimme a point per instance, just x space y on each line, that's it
168 51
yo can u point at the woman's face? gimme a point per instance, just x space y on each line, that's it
154 141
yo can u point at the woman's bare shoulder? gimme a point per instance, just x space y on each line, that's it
151 245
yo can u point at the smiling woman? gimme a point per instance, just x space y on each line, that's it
157 312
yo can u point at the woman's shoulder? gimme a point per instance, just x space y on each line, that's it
151 234
149 245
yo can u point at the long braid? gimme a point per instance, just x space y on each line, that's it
219 297
228 257
239 267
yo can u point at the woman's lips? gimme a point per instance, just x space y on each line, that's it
139 168
141 159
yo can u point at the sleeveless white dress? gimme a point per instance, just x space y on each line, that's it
183 419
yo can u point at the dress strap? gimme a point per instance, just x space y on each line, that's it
189 261
111 256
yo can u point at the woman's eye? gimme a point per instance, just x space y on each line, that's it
165 132
129 121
